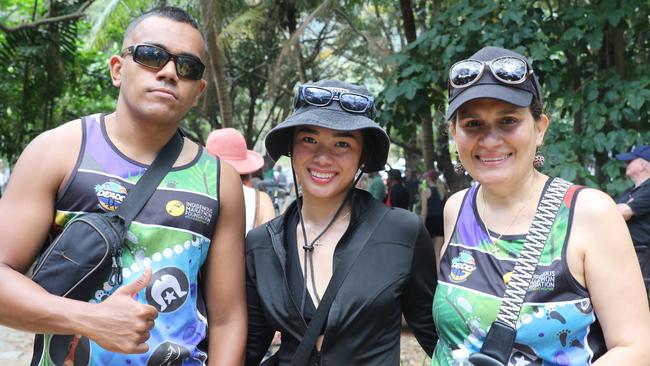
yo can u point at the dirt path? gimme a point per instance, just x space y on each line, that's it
15 347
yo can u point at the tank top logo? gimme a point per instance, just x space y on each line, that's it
110 195
168 290
462 266
168 354
175 208
190 210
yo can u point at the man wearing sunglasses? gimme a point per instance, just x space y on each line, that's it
191 227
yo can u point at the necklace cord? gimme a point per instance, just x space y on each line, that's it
487 230
308 262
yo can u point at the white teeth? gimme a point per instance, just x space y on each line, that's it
488 160
322 175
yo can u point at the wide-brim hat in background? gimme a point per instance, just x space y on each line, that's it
332 116
230 145
488 86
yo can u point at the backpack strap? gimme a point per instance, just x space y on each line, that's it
147 184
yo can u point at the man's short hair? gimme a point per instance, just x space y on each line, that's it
169 12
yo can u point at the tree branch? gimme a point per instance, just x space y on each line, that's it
45 21
408 147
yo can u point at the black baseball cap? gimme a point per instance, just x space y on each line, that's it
488 86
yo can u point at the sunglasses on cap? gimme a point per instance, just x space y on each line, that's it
154 57
322 96
508 70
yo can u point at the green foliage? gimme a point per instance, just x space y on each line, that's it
38 60
591 58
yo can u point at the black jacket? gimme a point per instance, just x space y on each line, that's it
394 273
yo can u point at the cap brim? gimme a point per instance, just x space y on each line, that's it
278 141
508 94
252 163
626 156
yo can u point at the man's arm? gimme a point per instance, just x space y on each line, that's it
266 211
625 211
224 275
119 324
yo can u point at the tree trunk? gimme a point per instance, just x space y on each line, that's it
426 120
216 62
454 181
292 25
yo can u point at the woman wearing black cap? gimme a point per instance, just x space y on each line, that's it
585 301
334 228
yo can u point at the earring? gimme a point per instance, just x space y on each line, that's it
458 166
538 161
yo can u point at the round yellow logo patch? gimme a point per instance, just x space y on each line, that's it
175 208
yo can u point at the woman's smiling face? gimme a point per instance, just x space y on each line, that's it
497 141
325 160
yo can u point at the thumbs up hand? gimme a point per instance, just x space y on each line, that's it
120 323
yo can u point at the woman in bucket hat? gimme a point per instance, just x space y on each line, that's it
585 303
332 139
230 145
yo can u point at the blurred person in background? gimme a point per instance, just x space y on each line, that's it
397 195
376 186
431 199
634 204
230 145
412 185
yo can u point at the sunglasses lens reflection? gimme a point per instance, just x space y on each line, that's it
189 67
317 96
151 56
509 69
354 103
465 72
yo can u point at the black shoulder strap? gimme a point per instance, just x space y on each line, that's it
361 235
147 184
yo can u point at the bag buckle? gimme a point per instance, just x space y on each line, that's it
497 346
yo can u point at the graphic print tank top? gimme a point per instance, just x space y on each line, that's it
171 235
557 324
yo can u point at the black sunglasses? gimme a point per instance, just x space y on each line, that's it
323 96
155 57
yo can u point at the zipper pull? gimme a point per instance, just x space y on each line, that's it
116 269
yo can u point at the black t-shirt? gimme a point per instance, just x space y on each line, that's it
399 196
638 198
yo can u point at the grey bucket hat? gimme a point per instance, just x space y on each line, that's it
520 95
332 116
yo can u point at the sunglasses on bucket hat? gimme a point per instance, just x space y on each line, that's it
322 96
507 70
155 57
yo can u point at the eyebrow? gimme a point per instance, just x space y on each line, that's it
336 134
